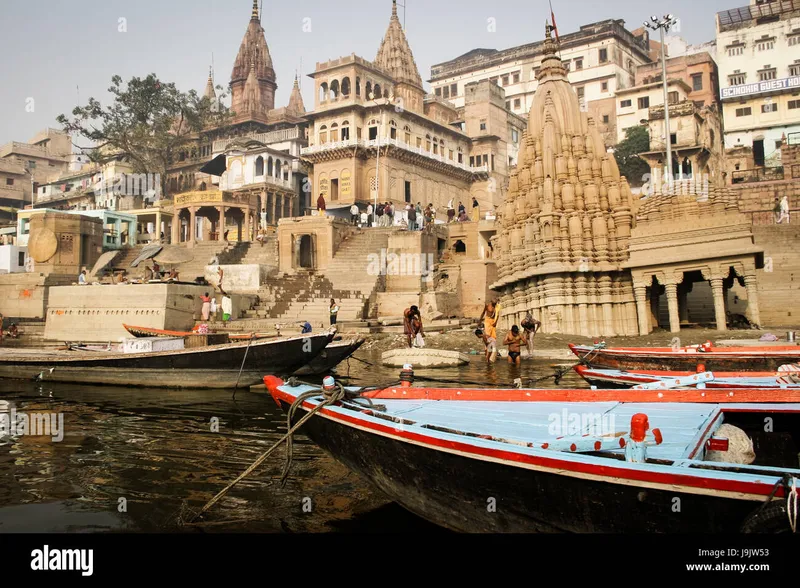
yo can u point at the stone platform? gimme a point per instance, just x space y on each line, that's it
427 358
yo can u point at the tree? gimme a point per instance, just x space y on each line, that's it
633 167
149 123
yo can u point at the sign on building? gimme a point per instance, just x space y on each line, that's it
760 87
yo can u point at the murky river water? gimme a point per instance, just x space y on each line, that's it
142 460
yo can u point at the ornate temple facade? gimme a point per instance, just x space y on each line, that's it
567 220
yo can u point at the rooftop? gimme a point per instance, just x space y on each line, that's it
756 14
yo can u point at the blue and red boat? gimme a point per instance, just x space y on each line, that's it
607 461
789 377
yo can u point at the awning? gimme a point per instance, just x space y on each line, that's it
8 231
148 252
217 166
104 261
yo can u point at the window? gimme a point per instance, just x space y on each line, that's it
446 93
323 135
460 156
31 165
373 133
483 125
454 90
517 103
393 130
472 161
735 50
766 108
766 75
508 104
766 45
605 119
419 142
673 97
514 136
673 139
439 92
794 40
579 63
566 65
794 104
605 86
492 161
794 70
744 111
603 55
644 102
737 79
581 92
345 131
9 181
486 160
450 154
494 80
626 103
516 78
21 259
408 191
505 80
407 131
697 82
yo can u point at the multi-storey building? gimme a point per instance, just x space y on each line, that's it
375 115
600 58
44 157
758 50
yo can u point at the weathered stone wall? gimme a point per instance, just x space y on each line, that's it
97 313
326 232
758 199
24 296
79 242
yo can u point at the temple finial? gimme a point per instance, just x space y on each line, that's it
254 15
394 8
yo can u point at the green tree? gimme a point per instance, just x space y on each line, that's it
149 122
633 167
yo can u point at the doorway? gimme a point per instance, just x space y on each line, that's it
334 190
758 153
306 256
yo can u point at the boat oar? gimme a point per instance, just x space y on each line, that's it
246 351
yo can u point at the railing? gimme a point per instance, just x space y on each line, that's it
762 174
267 138
373 144
745 14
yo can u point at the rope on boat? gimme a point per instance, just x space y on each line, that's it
241 369
791 505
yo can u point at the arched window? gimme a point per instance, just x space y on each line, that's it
323 92
270 167
386 93
334 133
407 133
392 129
377 90
334 89
346 87
346 131
358 86
203 185
435 146
369 89
259 166
278 168
323 135
427 142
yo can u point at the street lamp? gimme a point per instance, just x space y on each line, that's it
663 26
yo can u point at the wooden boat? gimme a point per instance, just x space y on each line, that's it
214 366
696 358
505 460
150 332
334 354
613 379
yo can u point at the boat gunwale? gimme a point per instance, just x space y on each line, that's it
675 477
743 352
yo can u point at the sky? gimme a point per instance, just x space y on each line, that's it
60 53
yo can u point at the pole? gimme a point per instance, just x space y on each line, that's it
667 133
378 168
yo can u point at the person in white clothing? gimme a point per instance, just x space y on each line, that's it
227 308
784 211
354 215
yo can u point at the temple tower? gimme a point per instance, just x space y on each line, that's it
253 61
395 56
566 221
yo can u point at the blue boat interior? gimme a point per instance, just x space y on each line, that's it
685 428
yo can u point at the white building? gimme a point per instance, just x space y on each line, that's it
758 53
12 259
633 104
601 59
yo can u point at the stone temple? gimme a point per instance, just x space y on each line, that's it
567 220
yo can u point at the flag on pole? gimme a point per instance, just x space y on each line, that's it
553 19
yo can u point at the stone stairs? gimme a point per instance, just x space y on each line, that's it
204 252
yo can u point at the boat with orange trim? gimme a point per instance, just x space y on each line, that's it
142 332
603 378
584 461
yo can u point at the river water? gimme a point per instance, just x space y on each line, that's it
145 460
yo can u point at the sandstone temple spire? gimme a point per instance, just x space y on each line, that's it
253 55
296 105
566 220
396 58
209 92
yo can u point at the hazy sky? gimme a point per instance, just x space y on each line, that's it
62 52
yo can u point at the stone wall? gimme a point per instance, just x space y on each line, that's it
757 199
326 232
64 243
246 279
97 313
25 296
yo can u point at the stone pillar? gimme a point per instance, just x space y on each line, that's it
683 304
221 223
655 296
719 303
274 202
642 308
672 303
192 224
752 299
176 227
248 234
158 224
291 205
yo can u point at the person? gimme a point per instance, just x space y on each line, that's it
214 309
461 209
354 214
531 326
513 341
370 218
82 278
306 328
462 216
321 204
428 215
173 274
206 310
334 311
227 308
262 236
490 345
418 211
388 214
263 218
476 210
412 218
490 317
379 215
412 325
13 332
451 212
784 211
156 271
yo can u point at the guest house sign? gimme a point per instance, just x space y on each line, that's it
761 87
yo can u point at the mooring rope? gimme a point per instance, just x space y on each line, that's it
791 504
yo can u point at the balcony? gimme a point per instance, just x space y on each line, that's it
397 143
270 138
